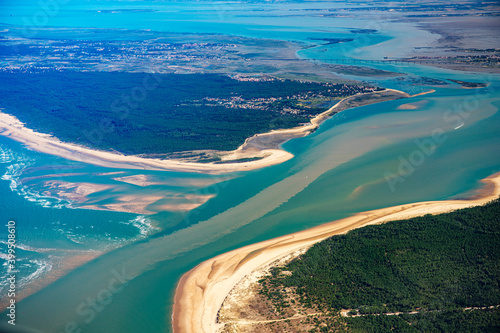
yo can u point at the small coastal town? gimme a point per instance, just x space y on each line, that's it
293 104
249 166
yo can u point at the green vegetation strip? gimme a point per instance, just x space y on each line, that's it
140 113
433 266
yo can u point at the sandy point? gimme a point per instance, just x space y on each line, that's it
201 292
263 150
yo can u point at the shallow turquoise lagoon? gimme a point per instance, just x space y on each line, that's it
364 158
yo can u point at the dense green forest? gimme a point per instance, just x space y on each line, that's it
434 266
139 113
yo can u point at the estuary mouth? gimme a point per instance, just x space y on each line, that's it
250 166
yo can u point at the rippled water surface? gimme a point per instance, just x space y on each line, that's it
364 158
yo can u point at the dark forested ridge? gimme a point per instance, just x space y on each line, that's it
139 113
442 272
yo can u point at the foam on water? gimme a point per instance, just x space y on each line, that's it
28 270
36 262
71 236
42 267
144 224
294 178
31 264
105 239
20 162
6 155
28 248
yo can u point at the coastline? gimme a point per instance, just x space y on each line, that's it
201 292
264 146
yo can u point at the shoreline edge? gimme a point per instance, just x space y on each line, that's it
201 291
265 146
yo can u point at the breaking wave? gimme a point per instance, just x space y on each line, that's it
20 162
28 270
144 224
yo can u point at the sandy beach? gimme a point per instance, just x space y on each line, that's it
201 292
11 127
264 146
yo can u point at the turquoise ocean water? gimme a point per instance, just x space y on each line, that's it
364 158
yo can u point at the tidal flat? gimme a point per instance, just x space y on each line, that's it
345 167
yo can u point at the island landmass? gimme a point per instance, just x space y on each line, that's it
258 151
202 291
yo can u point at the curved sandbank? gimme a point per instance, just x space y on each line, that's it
201 291
264 146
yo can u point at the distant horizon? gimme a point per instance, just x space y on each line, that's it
142 139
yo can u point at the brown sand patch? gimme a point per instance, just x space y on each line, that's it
201 292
